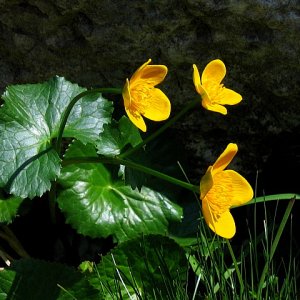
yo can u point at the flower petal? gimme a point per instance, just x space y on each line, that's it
229 189
225 158
134 116
200 89
136 119
126 94
206 183
206 103
196 77
241 190
158 107
150 74
136 74
214 71
222 225
228 97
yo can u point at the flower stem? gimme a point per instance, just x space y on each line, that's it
71 105
276 197
133 165
238 273
187 108
7 234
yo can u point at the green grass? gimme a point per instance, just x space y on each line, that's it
218 269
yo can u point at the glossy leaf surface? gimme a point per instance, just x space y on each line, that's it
98 206
29 121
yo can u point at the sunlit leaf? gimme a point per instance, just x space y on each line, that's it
98 206
30 119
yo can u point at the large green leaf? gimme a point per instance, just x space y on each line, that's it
35 280
97 206
30 119
116 136
9 208
143 268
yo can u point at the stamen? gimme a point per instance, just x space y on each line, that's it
218 199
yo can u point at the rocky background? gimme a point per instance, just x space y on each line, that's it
100 43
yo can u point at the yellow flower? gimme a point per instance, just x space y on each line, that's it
141 98
220 190
214 95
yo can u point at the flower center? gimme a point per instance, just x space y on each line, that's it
214 91
218 197
140 94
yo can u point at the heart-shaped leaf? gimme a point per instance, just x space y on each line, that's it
30 119
97 206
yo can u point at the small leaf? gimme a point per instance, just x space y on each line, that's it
6 281
35 279
116 136
146 266
30 119
9 208
97 206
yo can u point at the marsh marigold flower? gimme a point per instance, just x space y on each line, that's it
213 93
221 189
142 99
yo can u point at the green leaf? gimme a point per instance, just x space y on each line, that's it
146 266
9 208
116 136
35 280
6 281
97 206
30 119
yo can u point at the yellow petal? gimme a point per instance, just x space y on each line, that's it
222 225
150 74
214 71
206 103
228 97
196 77
158 106
225 158
136 119
229 189
241 190
200 89
206 183
137 73
126 94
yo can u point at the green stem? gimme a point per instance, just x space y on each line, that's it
272 198
238 273
71 105
7 234
133 165
170 122
274 245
